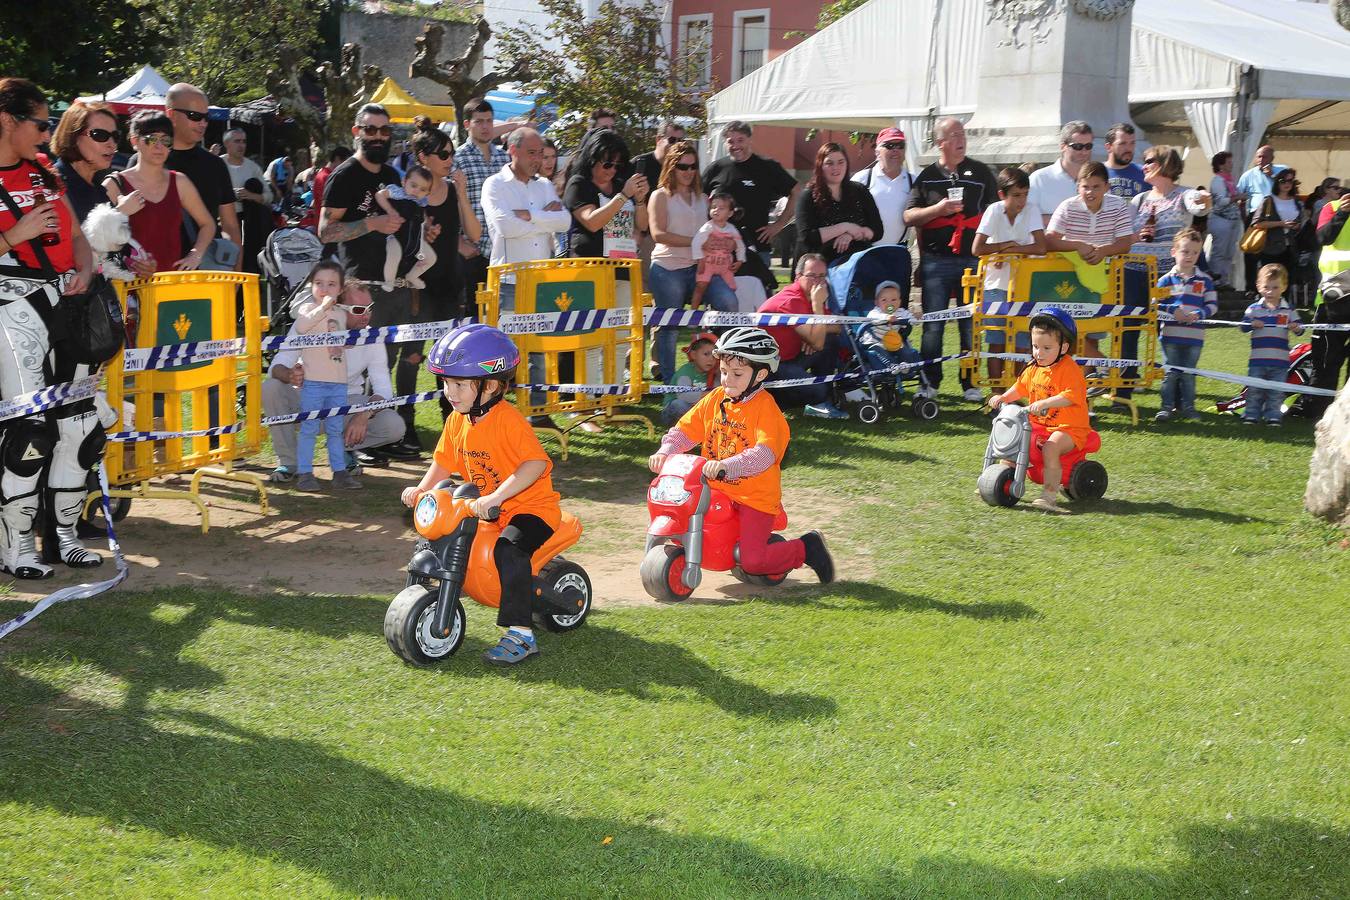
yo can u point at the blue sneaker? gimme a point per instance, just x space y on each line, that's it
513 648
825 411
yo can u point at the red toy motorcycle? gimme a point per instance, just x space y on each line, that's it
694 527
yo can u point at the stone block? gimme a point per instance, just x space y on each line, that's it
1328 493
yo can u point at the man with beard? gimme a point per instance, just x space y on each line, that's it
352 218
1127 179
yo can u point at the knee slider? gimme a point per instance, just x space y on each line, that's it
27 447
91 448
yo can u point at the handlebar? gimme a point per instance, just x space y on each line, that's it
493 513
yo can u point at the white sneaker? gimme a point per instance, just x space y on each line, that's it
974 395
855 396
928 392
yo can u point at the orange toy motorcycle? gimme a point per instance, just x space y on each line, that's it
425 622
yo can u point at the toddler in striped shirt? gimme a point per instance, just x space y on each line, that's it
1193 299
1269 321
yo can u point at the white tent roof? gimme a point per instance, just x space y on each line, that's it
897 59
145 87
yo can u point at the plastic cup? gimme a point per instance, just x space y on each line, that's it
956 193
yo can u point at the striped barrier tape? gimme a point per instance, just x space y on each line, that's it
1087 362
80 591
56 395
1307 326
1076 310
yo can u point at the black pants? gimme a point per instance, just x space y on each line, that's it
1329 356
475 276
519 541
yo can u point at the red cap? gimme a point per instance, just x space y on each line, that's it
890 134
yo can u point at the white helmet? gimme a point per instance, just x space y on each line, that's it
754 345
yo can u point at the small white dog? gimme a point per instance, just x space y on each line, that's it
109 234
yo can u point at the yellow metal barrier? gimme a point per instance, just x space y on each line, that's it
600 355
1053 280
173 308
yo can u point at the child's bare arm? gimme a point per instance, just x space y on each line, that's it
382 198
436 473
1055 402
1011 395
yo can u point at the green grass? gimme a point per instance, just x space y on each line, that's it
1143 700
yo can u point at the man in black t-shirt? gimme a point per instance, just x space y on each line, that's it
649 164
946 228
186 107
352 218
757 184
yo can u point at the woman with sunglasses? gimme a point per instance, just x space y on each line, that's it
154 197
1167 209
84 144
1281 216
43 257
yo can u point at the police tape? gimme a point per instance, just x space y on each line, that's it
141 359
47 398
1076 310
1087 362
80 591
1248 381
1169 318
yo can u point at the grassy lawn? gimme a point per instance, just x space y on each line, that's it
1147 699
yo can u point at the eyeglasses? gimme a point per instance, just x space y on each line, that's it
357 310
1076 145
102 135
821 277
687 167
42 125
893 145
376 130
192 114
156 140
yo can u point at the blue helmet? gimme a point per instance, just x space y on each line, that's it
474 351
1052 318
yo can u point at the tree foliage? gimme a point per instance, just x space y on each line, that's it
72 47
456 74
616 59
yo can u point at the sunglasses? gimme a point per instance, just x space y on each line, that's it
443 154
1075 145
687 167
156 140
356 310
376 130
102 135
893 145
42 125
608 165
192 114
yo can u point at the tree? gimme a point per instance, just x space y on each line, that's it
346 86
616 59
113 38
456 74
227 47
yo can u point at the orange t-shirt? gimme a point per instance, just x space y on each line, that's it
727 429
489 451
1065 378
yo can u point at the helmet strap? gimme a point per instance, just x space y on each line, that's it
479 408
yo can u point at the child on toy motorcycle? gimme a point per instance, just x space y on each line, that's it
744 435
1057 391
488 443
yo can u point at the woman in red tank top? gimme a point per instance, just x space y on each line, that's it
157 224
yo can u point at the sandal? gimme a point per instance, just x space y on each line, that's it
512 649
1049 506
281 475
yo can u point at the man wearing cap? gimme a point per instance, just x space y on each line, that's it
890 184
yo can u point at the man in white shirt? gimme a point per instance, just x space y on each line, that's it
890 184
1058 181
523 212
367 381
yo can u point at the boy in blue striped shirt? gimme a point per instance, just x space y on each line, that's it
1269 321
1193 299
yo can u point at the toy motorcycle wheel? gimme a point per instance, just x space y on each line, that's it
761 580
1087 481
925 408
408 624
569 580
869 413
662 573
996 485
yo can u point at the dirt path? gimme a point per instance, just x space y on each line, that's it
358 544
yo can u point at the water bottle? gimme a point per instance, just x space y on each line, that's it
47 238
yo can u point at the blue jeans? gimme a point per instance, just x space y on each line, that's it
1178 389
671 289
823 362
878 359
321 395
1263 405
940 278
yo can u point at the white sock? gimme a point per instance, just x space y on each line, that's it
525 632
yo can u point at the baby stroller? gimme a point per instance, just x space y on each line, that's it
285 261
882 389
854 281
1300 372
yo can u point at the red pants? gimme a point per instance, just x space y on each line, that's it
758 556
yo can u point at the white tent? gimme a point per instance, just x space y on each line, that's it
144 89
1200 71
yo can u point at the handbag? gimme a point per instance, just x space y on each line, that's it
88 325
1254 239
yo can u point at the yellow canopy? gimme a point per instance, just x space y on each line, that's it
403 106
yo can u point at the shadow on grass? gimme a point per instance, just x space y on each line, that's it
1116 507
884 598
186 775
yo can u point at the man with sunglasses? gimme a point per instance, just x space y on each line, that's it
186 107
890 184
367 381
1058 181
649 164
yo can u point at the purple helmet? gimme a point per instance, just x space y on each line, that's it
474 351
